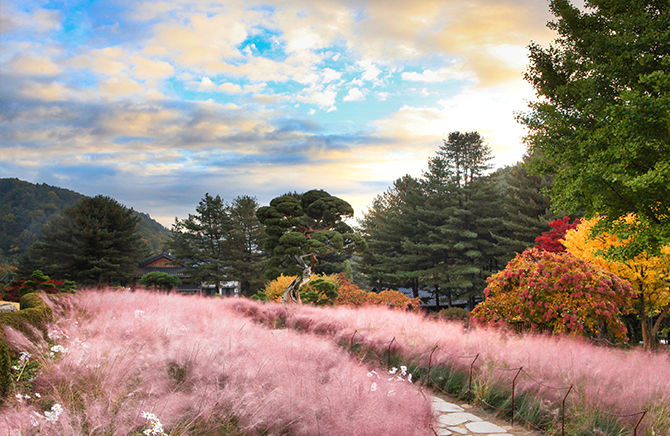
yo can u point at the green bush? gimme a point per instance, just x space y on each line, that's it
34 312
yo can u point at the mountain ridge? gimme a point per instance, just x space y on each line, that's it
25 207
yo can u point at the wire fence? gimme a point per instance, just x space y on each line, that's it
470 363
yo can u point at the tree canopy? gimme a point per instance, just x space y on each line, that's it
648 274
309 224
602 121
448 230
94 242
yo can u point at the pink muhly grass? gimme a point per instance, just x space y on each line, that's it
611 380
195 362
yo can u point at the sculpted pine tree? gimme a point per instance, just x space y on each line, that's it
302 227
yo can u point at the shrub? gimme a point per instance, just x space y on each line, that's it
160 280
557 293
38 283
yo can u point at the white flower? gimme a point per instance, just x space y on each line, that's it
58 349
403 370
391 393
393 370
373 387
409 378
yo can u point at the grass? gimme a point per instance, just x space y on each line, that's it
238 367
200 368
609 388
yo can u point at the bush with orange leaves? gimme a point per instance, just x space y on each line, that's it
348 294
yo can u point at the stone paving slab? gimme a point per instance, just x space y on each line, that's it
453 419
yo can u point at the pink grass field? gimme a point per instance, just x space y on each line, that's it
614 381
198 364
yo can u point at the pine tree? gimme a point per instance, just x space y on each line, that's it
94 242
247 258
201 242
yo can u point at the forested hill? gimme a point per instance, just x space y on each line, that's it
25 207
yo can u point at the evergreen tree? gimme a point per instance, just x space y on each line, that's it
390 227
202 242
94 242
308 224
526 208
247 258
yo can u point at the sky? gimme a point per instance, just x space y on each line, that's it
156 103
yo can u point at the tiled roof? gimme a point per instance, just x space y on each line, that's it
155 258
174 270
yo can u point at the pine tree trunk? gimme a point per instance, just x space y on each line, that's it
292 293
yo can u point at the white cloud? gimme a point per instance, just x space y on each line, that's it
230 88
206 83
150 69
370 71
354 94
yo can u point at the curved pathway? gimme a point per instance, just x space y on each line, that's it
453 419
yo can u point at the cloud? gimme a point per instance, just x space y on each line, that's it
144 69
121 86
354 94
26 63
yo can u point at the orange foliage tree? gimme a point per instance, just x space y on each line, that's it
649 275
348 294
550 292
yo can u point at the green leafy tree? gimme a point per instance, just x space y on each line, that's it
201 242
601 125
94 242
160 280
308 225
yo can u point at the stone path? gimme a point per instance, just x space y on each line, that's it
455 420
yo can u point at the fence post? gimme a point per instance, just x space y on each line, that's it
638 423
513 386
388 361
471 369
430 363
563 412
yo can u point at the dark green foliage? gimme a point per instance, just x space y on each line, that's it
307 224
437 232
34 313
93 243
602 124
160 280
26 207
201 241
221 242
247 258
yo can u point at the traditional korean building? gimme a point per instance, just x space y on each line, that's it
166 264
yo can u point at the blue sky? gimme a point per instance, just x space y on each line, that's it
156 103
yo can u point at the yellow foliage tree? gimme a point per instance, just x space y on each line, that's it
649 275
